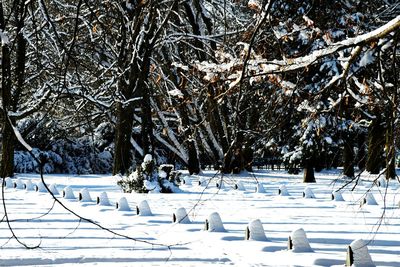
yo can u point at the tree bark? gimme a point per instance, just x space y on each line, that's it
348 158
376 142
309 176
390 149
123 155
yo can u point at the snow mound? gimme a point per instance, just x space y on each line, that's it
382 182
181 216
220 184
255 231
53 189
84 195
102 200
9 183
337 196
143 209
40 187
369 199
260 188
203 181
308 193
214 223
19 184
298 241
29 186
68 193
187 180
239 186
360 256
122 204
283 191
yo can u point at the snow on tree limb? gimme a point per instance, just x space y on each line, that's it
259 67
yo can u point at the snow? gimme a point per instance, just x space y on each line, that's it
361 256
144 209
103 200
9 183
68 193
187 180
300 241
19 184
40 187
84 195
330 226
260 188
214 223
181 216
308 193
256 231
123 205
283 190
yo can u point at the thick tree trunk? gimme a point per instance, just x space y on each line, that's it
376 141
348 159
123 155
309 176
8 145
193 162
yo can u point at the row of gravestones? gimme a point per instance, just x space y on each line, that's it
142 208
357 254
307 193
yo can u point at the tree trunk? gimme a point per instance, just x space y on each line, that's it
390 150
361 153
8 145
309 176
348 158
123 155
193 162
376 142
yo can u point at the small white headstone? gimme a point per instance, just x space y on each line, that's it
29 186
9 183
256 231
187 180
53 189
382 182
240 186
143 209
308 193
102 200
203 181
19 184
361 256
40 187
68 193
122 205
220 184
260 188
84 195
337 196
283 191
214 223
369 199
299 241
181 216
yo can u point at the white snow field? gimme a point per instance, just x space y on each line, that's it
330 226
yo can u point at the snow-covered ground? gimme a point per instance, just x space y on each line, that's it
329 225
